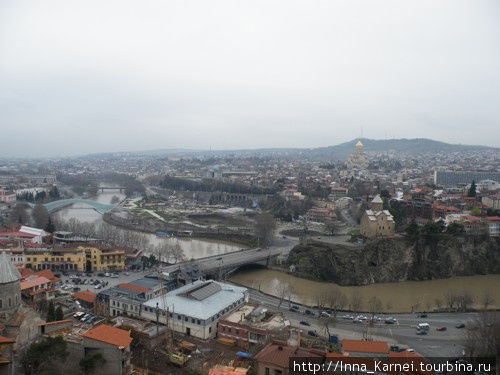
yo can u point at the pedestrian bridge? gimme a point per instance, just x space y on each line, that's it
99 207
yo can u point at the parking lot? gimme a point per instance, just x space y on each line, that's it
96 281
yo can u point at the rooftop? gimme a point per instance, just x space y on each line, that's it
86 296
110 335
363 346
8 273
185 300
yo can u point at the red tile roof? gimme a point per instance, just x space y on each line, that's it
25 272
362 346
110 335
6 340
86 296
48 274
135 288
278 354
36 281
17 234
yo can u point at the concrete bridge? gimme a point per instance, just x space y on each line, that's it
219 266
57 205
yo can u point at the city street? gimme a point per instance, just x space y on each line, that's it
435 343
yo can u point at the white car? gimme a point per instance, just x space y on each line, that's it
107 274
78 314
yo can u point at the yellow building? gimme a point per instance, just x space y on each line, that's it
80 258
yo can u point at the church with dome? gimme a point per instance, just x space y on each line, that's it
358 159
10 288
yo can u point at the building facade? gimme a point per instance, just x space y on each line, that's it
377 222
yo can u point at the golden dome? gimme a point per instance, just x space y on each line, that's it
359 145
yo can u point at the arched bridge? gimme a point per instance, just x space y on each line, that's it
226 263
99 207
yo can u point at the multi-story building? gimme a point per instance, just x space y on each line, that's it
79 258
126 298
195 309
453 178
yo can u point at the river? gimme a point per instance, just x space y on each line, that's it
193 248
395 297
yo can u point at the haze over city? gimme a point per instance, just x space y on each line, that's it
235 187
120 76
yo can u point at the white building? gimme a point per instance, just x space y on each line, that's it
194 309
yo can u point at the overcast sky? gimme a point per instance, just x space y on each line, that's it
90 76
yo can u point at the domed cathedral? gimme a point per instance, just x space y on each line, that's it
10 287
358 158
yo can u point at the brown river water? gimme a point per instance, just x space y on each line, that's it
395 297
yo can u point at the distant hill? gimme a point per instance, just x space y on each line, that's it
414 146
404 145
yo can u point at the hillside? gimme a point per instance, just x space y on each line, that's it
407 146
391 260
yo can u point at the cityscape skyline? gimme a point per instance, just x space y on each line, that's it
227 75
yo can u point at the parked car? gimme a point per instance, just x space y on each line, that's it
87 318
107 274
441 329
305 323
390 320
100 274
312 333
396 348
347 317
98 286
422 315
84 317
324 314
114 275
308 312
460 325
78 314
76 289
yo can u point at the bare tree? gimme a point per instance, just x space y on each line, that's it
177 253
283 292
329 322
356 302
487 300
450 299
374 306
438 303
264 228
482 335
464 300
336 300
114 199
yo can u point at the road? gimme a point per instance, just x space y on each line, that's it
435 343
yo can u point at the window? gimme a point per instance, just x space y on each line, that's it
237 332
186 319
192 320
198 322
1 303
179 317
277 372
209 329
267 370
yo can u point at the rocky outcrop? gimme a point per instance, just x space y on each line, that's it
400 259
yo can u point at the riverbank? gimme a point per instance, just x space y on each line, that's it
223 237
399 297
